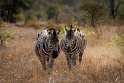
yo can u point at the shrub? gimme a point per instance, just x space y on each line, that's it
20 17
52 12
119 41
6 35
33 24
1 22
93 11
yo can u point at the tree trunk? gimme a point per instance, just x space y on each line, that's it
56 18
112 8
1 43
92 21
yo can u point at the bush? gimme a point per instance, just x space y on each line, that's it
119 41
33 24
90 36
10 8
120 17
52 12
20 17
92 12
6 35
1 22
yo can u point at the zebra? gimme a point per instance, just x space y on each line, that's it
80 34
47 47
71 45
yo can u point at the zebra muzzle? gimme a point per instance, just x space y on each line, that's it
54 54
68 49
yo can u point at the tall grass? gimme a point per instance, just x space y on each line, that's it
19 63
119 41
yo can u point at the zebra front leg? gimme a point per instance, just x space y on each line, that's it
73 59
80 57
50 63
68 58
43 62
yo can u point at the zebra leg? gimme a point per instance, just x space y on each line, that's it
43 62
73 59
80 57
50 62
68 58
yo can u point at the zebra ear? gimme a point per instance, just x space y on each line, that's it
58 31
38 35
66 29
49 32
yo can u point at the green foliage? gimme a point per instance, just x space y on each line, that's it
6 35
1 22
31 15
89 34
10 8
75 24
20 17
62 30
119 41
52 12
120 10
93 11
70 2
120 16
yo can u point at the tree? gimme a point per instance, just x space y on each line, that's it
10 8
94 11
114 6
5 35
69 2
52 12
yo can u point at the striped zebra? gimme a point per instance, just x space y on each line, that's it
47 47
81 35
71 45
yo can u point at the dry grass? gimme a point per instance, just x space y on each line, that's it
42 25
19 64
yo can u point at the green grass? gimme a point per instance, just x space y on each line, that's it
119 41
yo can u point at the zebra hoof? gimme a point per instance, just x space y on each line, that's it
49 71
44 68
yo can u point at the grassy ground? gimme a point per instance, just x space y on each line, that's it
102 62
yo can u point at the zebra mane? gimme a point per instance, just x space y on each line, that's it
53 35
70 33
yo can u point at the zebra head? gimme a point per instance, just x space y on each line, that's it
54 41
79 33
69 33
70 37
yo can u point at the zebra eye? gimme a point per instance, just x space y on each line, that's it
38 35
49 32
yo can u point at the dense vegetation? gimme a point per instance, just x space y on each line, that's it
10 8
84 11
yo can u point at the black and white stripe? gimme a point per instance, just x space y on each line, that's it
81 35
47 47
71 45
